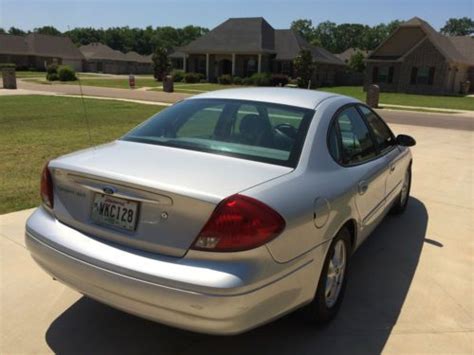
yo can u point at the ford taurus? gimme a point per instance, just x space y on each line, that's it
225 210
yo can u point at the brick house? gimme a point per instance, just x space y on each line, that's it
244 46
418 59
37 51
103 59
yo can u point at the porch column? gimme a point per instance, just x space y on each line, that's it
259 63
233 64
184 63
207 66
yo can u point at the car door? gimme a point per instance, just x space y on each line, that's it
387 147
363 166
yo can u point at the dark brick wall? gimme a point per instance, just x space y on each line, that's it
425 55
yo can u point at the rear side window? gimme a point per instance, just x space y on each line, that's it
383 135
355 145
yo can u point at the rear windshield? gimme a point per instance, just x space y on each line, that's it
245 129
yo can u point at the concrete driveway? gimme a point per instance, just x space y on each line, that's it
410 288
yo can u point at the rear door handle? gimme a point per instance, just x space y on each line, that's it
363 187
392 168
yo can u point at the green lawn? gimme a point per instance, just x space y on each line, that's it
30 74
104 82
42 75
445 102
34 129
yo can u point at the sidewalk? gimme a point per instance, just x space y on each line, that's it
129 94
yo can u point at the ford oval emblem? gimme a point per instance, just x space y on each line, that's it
109 190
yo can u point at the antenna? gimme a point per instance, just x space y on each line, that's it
86 118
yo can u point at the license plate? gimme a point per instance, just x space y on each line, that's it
115 212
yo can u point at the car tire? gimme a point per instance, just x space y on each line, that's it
401 201
325 306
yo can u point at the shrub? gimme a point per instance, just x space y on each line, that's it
247 81
178 75
279 79
203 81
66 73
52 68
225 79
261 79
237 80
192 78
52 72
52 77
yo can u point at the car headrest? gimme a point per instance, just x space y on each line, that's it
252 124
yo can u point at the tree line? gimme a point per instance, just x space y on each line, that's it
338 38
333 37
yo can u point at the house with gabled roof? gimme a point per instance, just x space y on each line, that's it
103 59
415 58
244 46
37 51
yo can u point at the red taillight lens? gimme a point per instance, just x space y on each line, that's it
239 223
47 187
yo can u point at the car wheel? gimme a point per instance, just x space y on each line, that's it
402 199
332 282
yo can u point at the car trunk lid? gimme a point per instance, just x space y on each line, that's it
172 191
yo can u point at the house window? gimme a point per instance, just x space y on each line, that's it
382 75
200 65
422 75
251 66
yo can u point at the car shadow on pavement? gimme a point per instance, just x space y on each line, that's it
380 277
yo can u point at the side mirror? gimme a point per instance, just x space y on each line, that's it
405 141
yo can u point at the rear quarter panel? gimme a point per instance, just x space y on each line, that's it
298 195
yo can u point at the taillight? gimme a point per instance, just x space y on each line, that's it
239 223
47 187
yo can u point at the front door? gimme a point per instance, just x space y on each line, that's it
386 146
225 67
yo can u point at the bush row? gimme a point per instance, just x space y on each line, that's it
56 72
180 76
257 79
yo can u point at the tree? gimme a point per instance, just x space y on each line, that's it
48 30
348 35
304 27
357 62
16 31
458 27
2 30
304 68
161 63
325 33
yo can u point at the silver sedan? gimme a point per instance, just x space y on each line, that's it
224 211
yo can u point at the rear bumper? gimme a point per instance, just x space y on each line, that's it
219 296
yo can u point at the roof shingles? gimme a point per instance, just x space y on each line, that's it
39 45
254 35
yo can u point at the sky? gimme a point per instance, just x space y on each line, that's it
65 14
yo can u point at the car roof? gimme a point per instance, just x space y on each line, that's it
284 96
